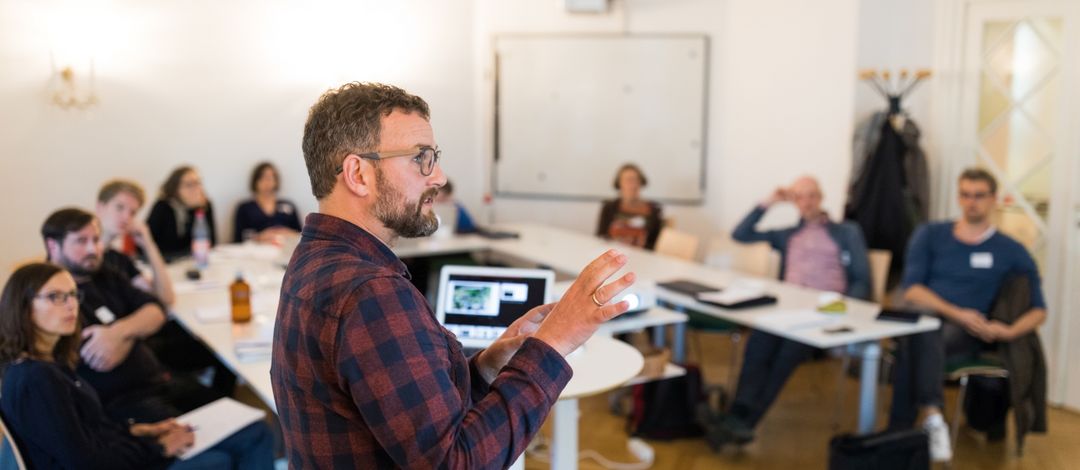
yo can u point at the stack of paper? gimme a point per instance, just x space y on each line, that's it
793 320
732 295
254 341
216 421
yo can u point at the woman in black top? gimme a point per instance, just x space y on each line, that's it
56 419
265 217
172 219
630 219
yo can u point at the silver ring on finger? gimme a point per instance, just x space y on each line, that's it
597 302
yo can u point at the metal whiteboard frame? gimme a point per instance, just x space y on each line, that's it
698 201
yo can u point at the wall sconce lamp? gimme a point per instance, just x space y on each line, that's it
68 93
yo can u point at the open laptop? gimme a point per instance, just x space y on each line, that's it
478 303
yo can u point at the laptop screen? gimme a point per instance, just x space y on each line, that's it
478 303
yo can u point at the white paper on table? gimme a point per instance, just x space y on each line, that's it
254 341
187 287
216 314
792 320
732 295
216 421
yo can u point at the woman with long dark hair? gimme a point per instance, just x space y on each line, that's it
57 420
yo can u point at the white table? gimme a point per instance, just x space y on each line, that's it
600 365
203 306
567 252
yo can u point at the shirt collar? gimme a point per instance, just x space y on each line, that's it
327 227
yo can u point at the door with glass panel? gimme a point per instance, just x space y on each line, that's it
1019 62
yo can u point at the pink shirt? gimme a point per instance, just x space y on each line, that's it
813 259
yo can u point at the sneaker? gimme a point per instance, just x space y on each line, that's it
938 433
738 430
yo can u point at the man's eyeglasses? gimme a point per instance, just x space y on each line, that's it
426 157
60 298
975 196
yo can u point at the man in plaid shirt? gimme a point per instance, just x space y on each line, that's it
363 374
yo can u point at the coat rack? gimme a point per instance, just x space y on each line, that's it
894 87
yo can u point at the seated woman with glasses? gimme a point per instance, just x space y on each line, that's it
629 218
173 217
57 421
265 217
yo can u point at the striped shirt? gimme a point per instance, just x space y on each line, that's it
813 259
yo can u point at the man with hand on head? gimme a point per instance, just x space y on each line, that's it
816 253
363 374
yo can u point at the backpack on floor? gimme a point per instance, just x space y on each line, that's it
667 409
886 450
986 405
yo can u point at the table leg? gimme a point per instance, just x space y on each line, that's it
659 336
678 346
868 377
564 442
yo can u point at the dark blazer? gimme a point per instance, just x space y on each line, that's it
847 236
1023 358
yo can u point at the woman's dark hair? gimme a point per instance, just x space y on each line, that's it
17 335
259 169
171 188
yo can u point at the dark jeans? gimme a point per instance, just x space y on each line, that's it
251 448
918 376
767 364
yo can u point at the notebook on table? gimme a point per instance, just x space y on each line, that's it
735 297
687 287
478 303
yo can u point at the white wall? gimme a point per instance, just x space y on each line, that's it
223 84
216 84
780 104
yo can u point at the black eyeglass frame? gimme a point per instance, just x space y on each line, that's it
60 297
417 153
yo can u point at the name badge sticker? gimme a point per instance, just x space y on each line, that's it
982 260
104 315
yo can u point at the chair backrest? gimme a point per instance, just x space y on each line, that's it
682 245
10 458
879 273
756 259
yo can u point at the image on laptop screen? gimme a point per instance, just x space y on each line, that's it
478 303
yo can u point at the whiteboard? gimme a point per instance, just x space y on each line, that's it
570 110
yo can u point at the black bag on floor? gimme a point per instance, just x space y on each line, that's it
986 405
887 450
667 409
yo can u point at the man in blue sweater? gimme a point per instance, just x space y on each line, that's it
956 269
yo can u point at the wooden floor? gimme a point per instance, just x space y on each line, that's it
796 432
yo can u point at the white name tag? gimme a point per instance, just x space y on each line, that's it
982 260
104 315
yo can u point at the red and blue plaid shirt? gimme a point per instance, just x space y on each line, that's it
365 377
